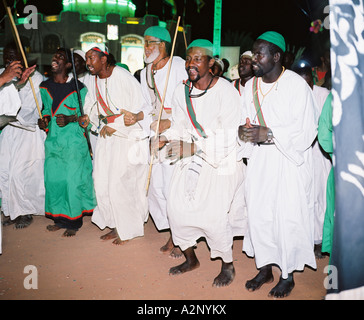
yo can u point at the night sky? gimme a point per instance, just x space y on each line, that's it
292 18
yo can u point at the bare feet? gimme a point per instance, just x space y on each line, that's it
283 287
53 227
174 251
226 276
110 235
168 247
69 233
119 242
190 264
318 252
20 222
265 275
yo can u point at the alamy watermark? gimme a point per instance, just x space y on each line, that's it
31 280
31 20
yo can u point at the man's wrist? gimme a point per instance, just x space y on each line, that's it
269 136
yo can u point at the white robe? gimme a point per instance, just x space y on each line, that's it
203 186
120 164
279 181
162 170
22 157
9 105
322 167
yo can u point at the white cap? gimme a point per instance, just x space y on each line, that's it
247 54
81 54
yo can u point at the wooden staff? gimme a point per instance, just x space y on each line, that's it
80 102
20 47
164 97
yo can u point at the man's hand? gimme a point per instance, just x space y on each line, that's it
63 120
252 133
129 117
43 123
26 74
84 121
13 70
157 143
107 131
178 149
163 125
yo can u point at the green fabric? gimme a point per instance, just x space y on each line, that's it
67 167
275 38
256 103
158 32
191 112
202 43
325 140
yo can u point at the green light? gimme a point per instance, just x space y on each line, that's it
217 27
126 8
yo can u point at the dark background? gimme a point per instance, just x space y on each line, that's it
292 18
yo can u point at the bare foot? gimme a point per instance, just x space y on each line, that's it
283 287
69 233
119 242
226 276
184 267
53 227
265 275
168 247
190 264
176 253
110 235
23 221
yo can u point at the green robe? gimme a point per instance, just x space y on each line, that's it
68 166
325 140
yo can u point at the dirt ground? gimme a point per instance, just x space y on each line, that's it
85 267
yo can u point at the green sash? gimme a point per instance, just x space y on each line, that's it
256 103
191 112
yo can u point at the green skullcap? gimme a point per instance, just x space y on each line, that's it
158 32
275 38
202 43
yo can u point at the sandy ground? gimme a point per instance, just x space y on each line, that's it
86 268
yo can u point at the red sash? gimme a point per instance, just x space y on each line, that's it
110 116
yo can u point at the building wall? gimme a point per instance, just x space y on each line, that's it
68 28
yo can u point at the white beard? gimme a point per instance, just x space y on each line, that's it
152 57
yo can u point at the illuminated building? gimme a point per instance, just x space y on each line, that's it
83 23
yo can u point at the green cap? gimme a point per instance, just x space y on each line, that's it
275 38
158 32
202 43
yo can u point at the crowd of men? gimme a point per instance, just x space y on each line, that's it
203 155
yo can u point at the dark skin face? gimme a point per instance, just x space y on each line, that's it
265 64
268 67
80 64
11 55
245 69
98 65
60 67
198 68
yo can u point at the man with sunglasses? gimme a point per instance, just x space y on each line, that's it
157 49
202 141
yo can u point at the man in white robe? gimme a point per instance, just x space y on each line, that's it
9 99
22 154
113 105
205 117
321 161
153 78
281 124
